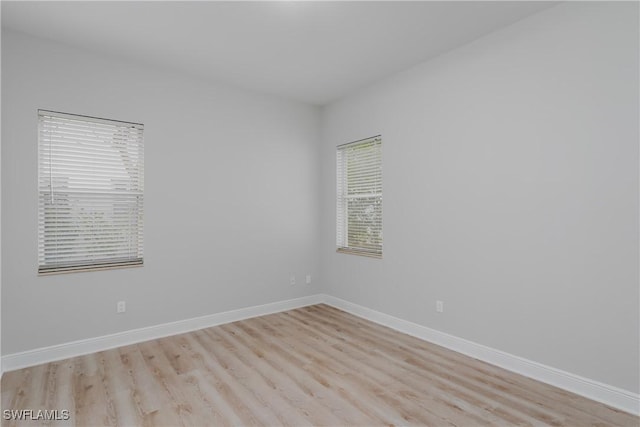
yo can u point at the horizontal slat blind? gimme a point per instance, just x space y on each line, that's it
359 197
90 184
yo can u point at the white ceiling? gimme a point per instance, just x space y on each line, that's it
314 52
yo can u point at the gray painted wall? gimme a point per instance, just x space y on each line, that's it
510 179
510 192
231 206
1 368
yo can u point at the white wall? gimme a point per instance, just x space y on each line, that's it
510 192
510 179
1 368
231 185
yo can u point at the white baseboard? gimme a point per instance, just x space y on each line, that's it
607 394
610 395
25 359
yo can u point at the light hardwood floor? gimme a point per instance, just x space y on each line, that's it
311 366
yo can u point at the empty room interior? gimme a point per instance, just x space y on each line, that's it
320 213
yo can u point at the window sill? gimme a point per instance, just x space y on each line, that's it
360 253
89 268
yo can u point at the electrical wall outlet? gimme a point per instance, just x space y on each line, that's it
308 279
439 306
292 280
121 307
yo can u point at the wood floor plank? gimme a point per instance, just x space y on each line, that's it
314 366
315 391
240 399
332 374
337 390
499 378
295 393
387 352
387 376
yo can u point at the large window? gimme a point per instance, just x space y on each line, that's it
90 182
359 201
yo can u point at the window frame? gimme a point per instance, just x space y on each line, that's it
343 196
132 233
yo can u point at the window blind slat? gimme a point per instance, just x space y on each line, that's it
91 185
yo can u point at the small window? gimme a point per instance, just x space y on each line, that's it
90 182
359 197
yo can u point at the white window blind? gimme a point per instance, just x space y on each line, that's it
90 182
359 197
